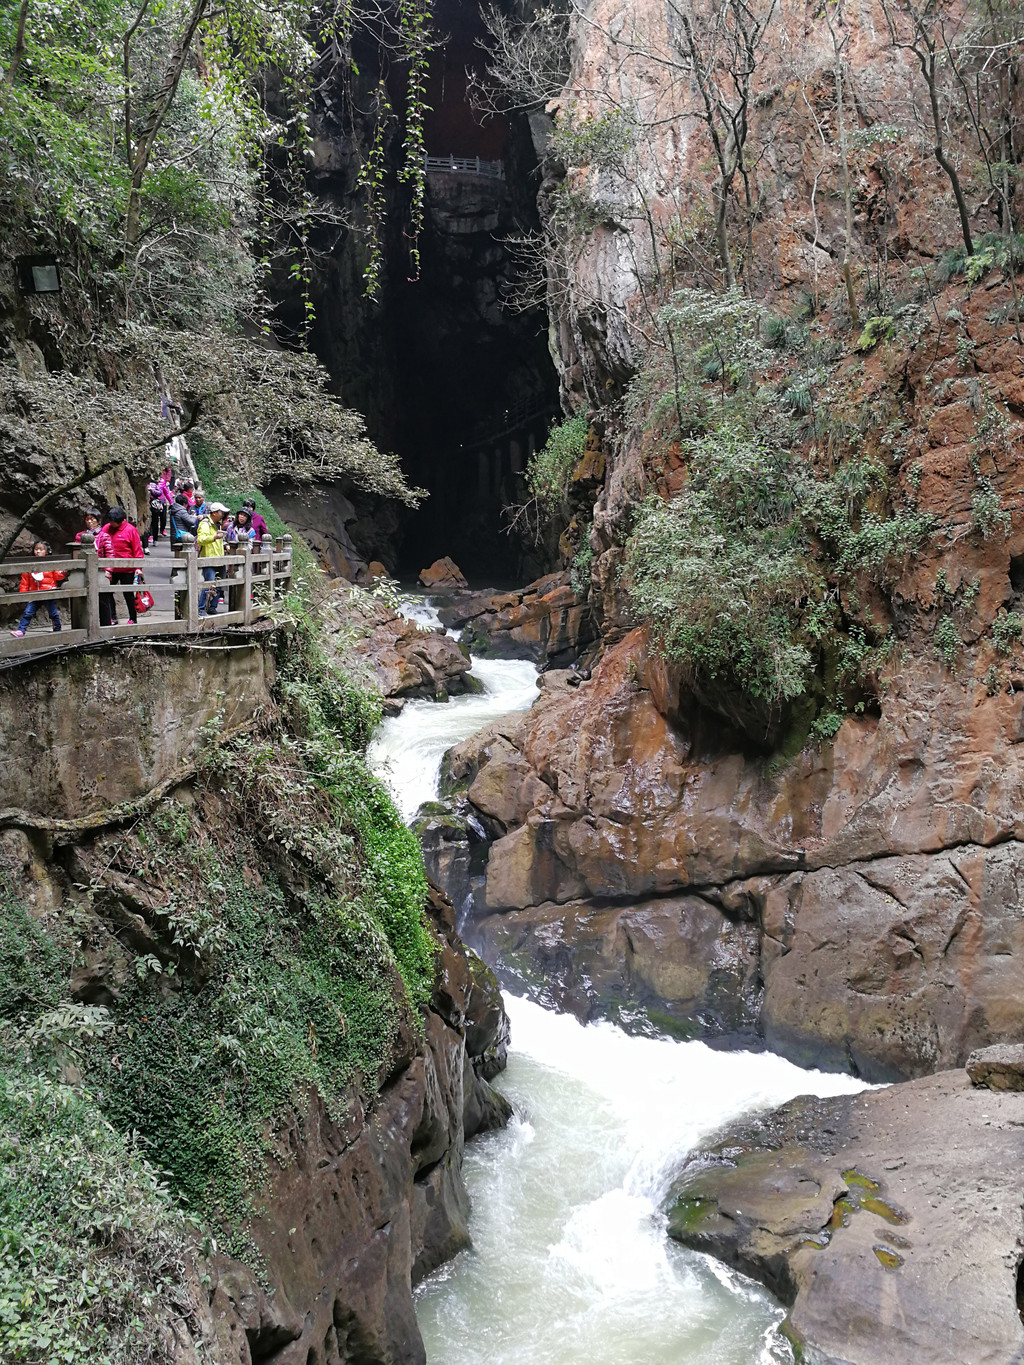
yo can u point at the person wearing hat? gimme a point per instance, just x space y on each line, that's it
210 543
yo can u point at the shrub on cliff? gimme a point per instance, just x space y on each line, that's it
549 472
750 574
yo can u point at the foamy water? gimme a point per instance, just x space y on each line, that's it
571 1264
407 749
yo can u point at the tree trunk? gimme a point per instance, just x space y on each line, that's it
928 71
720 197
19 45
157 114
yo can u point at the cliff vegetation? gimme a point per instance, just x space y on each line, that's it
759 228
196 968
157 154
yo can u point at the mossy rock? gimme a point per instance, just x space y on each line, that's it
688 1215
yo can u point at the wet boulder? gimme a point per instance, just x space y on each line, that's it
443 574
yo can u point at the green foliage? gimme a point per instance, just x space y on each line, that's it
579 570
549 472
876 330
948 642
718 570
1007 629
747 574
294 994
222 196
987 511
91 1251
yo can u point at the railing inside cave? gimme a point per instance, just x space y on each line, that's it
251 579
465 165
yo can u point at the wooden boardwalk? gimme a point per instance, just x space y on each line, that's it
251 578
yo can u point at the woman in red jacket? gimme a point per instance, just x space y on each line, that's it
38 580
119 540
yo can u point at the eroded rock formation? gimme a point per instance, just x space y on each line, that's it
403 659
889 1222
546 621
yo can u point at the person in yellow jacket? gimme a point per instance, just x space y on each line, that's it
210 543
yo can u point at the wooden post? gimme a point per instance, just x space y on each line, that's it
268 550
192 583
92 584
287 542
247 580
79 606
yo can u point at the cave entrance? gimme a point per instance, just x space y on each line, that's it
476 387
454 380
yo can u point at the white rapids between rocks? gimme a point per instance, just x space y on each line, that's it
570 1263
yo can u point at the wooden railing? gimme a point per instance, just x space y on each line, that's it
251 578
465 165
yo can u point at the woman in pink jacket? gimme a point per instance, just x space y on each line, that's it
118 539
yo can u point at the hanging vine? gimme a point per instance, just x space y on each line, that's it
371 180
414 19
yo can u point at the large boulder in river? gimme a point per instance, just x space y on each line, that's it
547 621
884 874
402 658
443 574
888 1221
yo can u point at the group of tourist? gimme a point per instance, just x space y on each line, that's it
177 509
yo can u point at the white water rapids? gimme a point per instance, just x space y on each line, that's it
570 1262
407 749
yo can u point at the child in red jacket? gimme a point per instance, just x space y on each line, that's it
39 580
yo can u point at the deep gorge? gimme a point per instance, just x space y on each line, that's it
449 372
712 765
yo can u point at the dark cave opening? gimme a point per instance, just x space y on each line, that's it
458 383
478 388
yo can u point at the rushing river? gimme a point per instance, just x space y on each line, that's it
570 1262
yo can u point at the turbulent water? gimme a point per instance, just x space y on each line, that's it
408 748
570 1262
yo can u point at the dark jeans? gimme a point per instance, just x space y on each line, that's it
213 594
32 607
123 577
157 522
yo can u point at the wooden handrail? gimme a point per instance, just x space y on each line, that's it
248 566
465 165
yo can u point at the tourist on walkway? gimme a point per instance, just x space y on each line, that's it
210 540
38 580
184 522
259 526
166 484
243 524
158 505
120 540
93 521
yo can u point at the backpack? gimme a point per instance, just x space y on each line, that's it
156 498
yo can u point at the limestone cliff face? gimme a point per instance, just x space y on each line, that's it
858 903
359 1193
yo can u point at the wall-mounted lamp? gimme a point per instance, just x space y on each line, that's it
38 275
